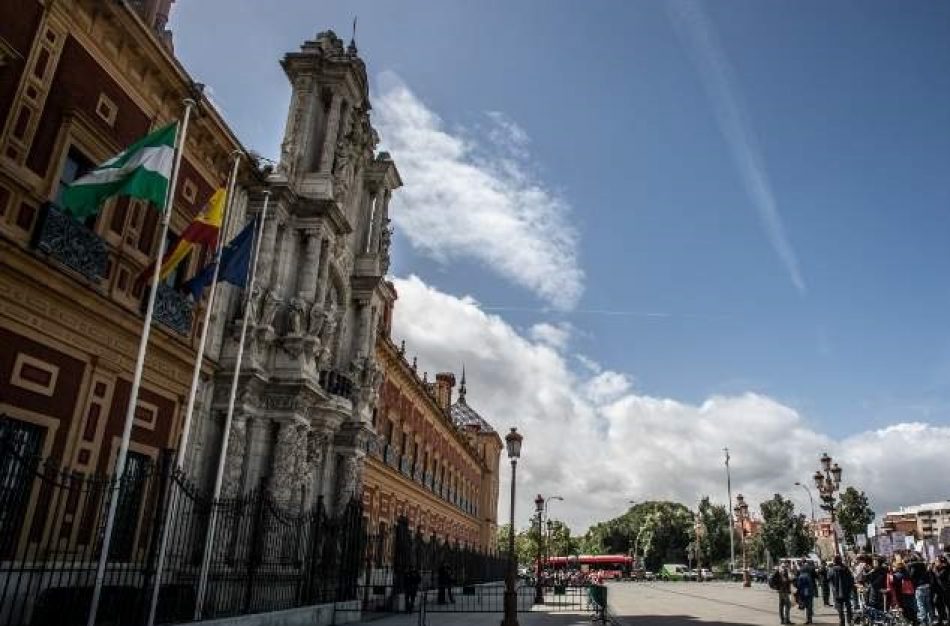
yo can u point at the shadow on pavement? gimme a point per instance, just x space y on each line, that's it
671 620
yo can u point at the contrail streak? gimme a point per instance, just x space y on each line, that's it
699 37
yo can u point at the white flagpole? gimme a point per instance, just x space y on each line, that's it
120 459
195 380
226 435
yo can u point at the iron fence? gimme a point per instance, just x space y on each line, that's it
262 556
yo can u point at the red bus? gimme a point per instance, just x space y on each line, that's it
603 566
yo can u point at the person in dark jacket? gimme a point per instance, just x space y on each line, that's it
445 583
412 581
781 582
920 576
821 573
940 587
805 590
877 584
842 587
901 590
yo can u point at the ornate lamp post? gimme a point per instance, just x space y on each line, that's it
742 513
513 444
828 483
538 590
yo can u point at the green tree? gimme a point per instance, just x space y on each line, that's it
800 541
854 513
777 515
559 540
714 532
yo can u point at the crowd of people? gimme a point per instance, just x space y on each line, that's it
870 586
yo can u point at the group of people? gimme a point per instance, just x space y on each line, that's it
413 578
920 591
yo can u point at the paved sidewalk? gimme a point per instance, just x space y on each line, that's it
702 604
483 619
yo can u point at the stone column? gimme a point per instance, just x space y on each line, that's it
323 272
329 140
268 251
233 480
379 219
288 461
310 267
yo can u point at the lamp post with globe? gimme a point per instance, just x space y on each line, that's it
513 444
828 483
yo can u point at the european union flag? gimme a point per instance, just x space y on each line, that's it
235 263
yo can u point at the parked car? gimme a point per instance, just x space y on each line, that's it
648 575
706 574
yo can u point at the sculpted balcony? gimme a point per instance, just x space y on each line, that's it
336 384
70 243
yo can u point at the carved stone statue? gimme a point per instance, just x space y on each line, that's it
317 319
295 317
270 306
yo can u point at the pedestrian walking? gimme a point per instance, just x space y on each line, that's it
920 577
940 588
412 581
445 583
841 583
781 582
900 590
822 575
805 592
877 584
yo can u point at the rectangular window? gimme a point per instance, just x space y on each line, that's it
75 166
20 445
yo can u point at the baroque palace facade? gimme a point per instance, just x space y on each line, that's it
79 81
433 461
328 408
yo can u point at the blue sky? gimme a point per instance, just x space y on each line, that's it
757 191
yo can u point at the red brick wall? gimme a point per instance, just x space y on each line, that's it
65 394
19 21
77 83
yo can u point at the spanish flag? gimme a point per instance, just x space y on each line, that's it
203 231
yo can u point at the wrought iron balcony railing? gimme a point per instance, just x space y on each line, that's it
173 309
67 241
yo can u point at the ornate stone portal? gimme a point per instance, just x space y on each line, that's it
308 381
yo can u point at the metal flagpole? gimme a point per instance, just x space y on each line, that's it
195 379
222 455
732 520
139 368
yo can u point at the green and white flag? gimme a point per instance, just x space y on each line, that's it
140 171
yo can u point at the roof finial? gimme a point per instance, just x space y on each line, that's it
462 386
351 49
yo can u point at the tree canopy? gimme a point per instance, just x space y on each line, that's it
854 513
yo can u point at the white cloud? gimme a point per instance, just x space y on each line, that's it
593 440
554 335
699 37
471 198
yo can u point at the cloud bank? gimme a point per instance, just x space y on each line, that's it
471 195
699 37
594 439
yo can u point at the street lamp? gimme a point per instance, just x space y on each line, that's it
828 483
742 512
513 445
810 499
538 590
